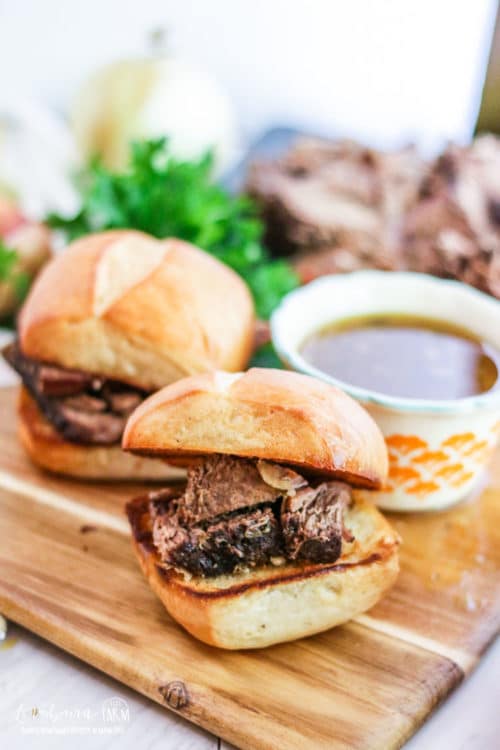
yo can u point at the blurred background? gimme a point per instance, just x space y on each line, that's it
385 72
390 85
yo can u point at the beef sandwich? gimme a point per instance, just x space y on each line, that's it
266 542
112 318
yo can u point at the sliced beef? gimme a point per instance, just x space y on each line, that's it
245 539
222 484
454 230
123 402
84 408
89 427
46 379
336 207
53 381
229 518
312 522
338 199
86 403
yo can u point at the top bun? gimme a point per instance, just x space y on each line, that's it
124 305
271 414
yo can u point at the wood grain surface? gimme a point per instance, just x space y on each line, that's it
368 684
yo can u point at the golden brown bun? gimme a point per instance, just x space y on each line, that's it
272 414
47 449
274 604
127 306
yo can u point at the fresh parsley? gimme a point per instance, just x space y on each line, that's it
266 356
167 197
10 273
8 260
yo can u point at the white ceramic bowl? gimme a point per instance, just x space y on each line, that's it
437 449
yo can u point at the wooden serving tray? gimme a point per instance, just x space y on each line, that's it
68 573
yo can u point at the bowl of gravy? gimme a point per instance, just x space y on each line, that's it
422 355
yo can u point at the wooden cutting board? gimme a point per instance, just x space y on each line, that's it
67 572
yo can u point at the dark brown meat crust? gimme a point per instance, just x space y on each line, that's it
227 520
246 538
84 408
312 522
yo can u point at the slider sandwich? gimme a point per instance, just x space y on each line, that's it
267 541
111 319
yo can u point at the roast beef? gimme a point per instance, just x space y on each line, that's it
84 408
87 427
454 230
222 484
246 539
312 522
122 401
336 205
46 379
239 513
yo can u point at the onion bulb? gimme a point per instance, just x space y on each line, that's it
150 98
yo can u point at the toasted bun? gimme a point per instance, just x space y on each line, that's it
48 450
263 413
274 604
126 306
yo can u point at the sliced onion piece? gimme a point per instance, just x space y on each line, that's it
280 477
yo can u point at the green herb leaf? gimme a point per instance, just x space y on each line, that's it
21 282
10 274
8 260
266 356
167 197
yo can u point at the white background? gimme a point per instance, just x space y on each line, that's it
383 70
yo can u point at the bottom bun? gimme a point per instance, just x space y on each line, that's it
48 450
274 604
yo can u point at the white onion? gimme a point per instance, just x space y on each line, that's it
150 98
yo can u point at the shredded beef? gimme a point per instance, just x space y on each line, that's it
442 218
312 522
336 205
230 517
454 230
222 484
247 538
84 408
